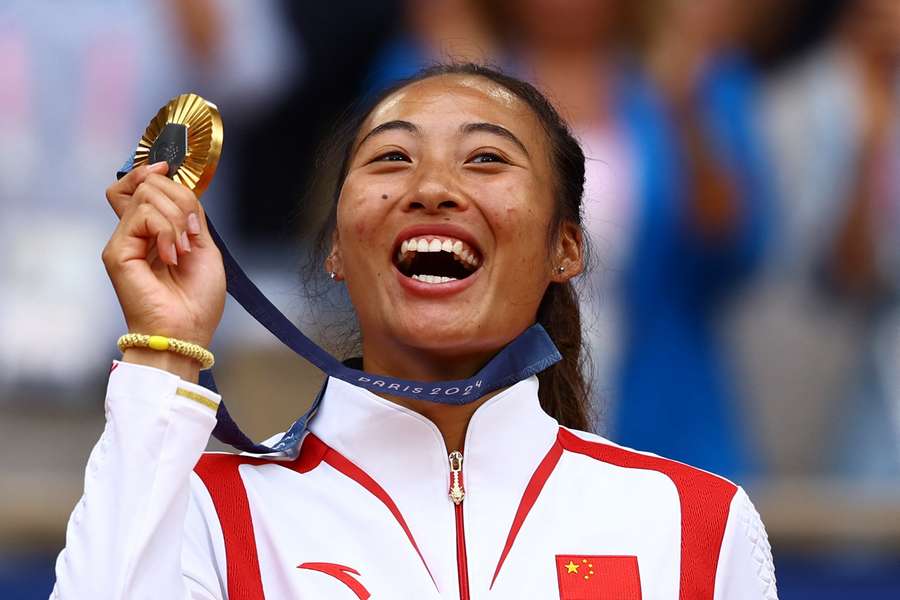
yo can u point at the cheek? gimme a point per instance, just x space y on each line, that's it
507 206
365 204
521 237
359 218
519 220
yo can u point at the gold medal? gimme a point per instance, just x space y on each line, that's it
186 133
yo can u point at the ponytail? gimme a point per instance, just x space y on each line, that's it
564 393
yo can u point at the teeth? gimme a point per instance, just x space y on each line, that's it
433 278
468 258
459 249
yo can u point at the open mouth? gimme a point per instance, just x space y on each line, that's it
436 259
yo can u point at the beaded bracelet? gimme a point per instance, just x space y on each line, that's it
167 344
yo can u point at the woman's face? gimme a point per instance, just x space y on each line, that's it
442 222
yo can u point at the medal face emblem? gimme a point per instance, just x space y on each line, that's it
187 134
171 146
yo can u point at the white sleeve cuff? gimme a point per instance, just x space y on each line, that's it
148 385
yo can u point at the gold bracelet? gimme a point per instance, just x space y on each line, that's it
167 344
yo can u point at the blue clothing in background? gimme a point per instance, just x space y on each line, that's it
676 396
400 59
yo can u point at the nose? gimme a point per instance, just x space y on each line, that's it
434 193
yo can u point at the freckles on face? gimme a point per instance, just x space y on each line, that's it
361 217
444 163
362 229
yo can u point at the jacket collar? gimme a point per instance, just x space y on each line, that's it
404 452
507 433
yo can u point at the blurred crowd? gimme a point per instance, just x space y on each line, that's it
742 191
742 207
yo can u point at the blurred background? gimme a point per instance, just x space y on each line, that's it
742 202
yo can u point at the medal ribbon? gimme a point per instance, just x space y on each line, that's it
530 353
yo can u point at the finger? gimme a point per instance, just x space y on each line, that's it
149 193
197 228
141 225
184 197
119 193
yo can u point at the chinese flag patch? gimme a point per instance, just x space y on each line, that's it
598 577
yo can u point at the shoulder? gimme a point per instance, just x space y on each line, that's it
704 499
695 486
724 546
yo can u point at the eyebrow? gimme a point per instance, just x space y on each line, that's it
496 130
390 126
466 128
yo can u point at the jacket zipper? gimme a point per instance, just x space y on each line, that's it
457 494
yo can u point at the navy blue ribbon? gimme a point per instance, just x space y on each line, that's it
530 353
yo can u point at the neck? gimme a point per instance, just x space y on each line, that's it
416 364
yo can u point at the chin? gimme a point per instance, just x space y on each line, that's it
450 334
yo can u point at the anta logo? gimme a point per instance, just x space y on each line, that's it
342 574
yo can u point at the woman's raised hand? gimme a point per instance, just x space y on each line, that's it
164 266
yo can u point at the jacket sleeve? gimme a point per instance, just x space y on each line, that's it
745 569
139 531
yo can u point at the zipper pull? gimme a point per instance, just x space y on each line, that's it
457 491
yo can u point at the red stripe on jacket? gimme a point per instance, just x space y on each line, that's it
220 475
705 501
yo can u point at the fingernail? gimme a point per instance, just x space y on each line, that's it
185 242
155 166
174 254
193 224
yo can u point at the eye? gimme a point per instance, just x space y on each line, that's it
487 157
392 156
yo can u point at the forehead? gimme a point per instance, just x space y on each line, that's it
450 100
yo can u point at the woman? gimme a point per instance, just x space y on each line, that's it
381 502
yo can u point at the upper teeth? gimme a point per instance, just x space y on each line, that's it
460 250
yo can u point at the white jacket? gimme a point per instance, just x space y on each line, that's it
366 511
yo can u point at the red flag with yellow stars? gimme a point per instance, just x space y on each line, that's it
584 577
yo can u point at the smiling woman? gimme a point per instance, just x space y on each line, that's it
486 180
455 225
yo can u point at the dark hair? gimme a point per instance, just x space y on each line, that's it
564 390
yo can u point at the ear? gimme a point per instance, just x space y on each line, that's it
333 264
569 255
